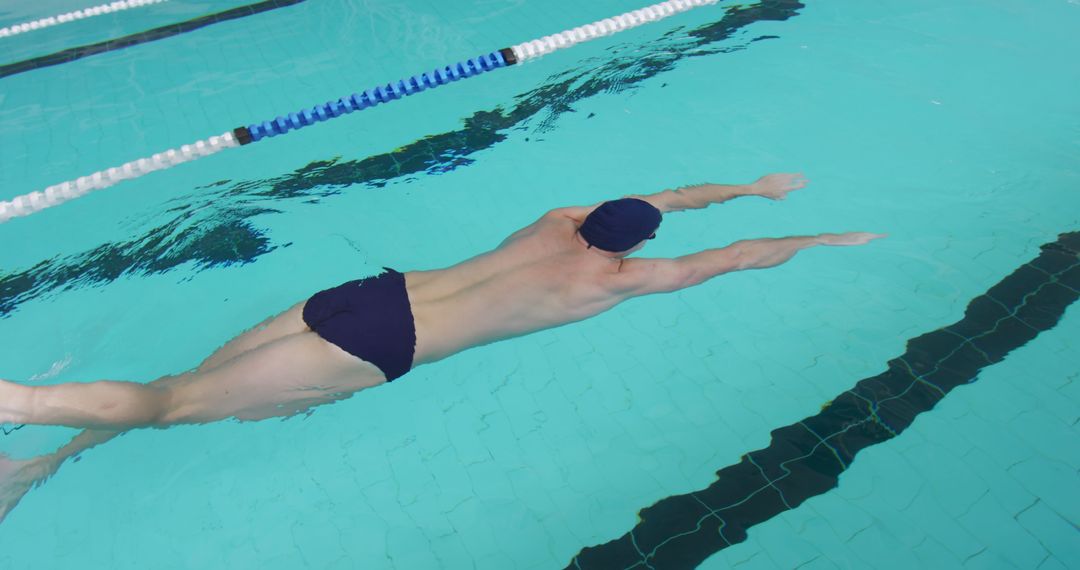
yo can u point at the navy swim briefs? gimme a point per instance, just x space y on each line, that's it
369 318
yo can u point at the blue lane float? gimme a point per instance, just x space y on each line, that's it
27 204
370 98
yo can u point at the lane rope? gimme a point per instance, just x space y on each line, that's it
76 15
59 193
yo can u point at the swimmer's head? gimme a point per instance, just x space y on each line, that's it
621 226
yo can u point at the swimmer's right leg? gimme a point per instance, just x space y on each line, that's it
18 476
279 377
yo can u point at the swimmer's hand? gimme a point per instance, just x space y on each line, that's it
18 476
777 186
849 238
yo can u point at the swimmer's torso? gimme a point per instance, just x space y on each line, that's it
537 278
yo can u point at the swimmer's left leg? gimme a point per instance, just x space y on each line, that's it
287 323
279 378
82 405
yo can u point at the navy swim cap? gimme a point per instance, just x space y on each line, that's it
619 225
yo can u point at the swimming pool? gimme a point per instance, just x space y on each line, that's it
946 125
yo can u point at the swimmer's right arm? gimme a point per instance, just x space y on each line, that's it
646 276
639 276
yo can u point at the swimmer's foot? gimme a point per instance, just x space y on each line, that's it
777 186
6 413
849 238
18 476
10 394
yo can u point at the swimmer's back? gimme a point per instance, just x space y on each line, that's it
534 280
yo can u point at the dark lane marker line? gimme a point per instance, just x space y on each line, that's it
75 53
806 459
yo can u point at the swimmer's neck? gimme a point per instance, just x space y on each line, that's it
597 252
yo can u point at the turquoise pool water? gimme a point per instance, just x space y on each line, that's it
952 126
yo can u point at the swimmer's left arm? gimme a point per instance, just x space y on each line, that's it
576 213
694 197
774 186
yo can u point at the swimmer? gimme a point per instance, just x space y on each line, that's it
571 264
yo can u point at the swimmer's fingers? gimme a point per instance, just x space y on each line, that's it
849 238
777 186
